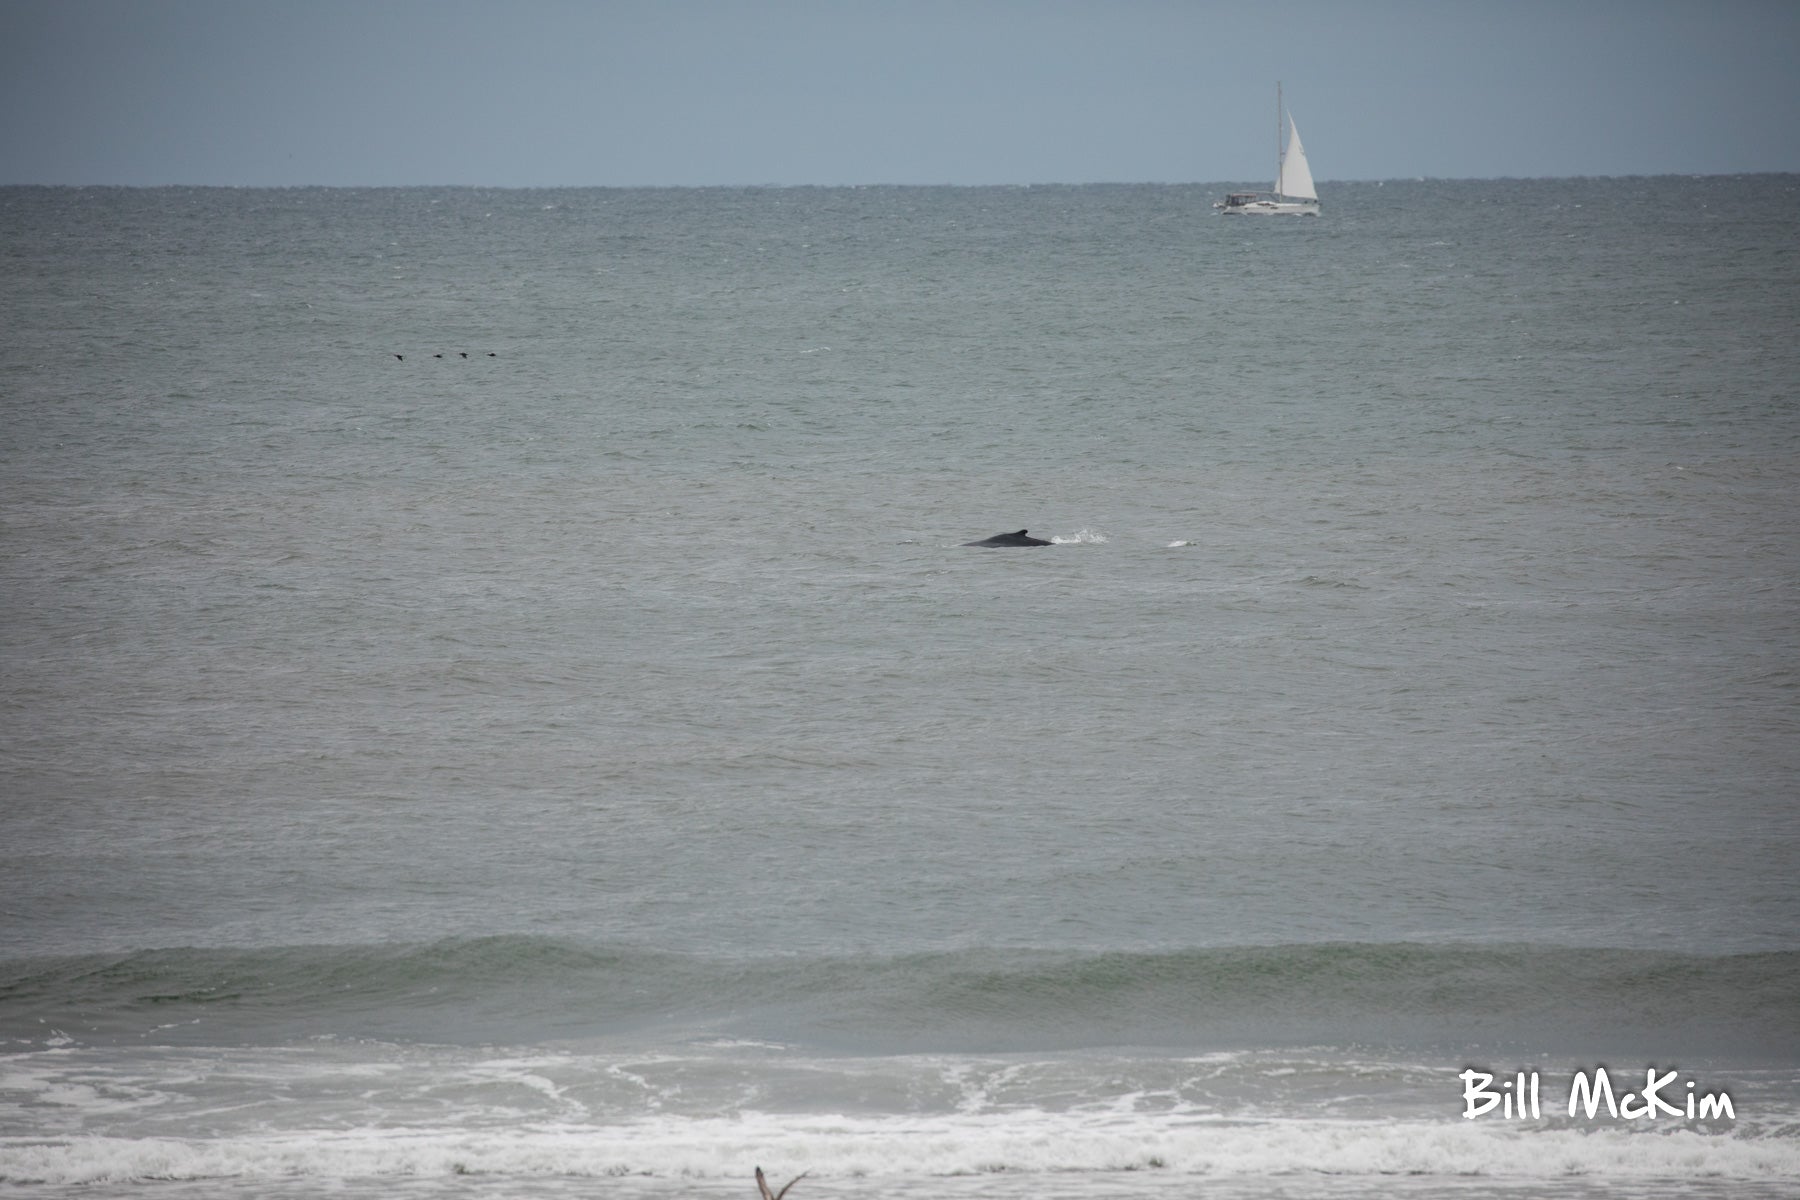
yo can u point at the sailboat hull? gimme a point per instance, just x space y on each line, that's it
1258 205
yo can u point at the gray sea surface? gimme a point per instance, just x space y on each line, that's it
496 701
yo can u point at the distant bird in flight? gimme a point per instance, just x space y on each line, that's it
762 1185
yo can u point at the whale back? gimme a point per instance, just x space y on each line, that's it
1020 538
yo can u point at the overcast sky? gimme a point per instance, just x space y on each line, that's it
695 92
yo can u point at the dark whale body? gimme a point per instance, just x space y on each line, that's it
1009 539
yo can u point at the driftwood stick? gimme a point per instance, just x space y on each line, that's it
762 1185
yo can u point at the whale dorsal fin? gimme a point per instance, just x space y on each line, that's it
1021 533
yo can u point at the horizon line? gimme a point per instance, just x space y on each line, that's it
774 186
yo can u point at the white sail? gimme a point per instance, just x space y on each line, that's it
1296 177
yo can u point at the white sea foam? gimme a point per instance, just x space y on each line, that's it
844 1146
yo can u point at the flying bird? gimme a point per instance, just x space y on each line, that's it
762 1185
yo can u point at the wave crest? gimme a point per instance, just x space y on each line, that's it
526 988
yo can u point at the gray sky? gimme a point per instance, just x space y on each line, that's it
693 92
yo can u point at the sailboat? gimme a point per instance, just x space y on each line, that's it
1294 194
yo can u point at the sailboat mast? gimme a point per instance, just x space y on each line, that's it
1280 157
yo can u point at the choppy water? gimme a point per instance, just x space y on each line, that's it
593 763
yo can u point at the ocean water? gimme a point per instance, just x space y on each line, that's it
588 763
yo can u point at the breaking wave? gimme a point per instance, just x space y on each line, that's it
524 988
